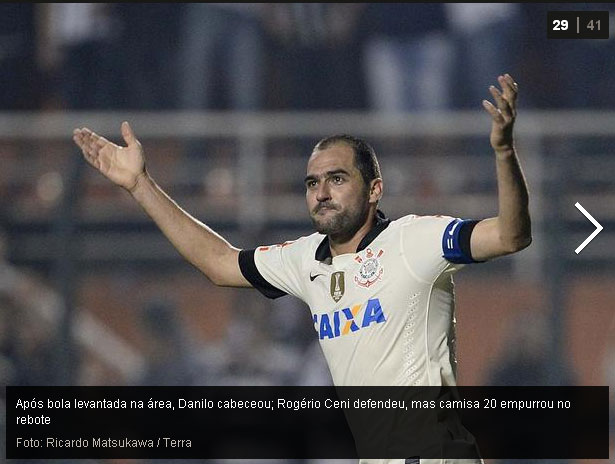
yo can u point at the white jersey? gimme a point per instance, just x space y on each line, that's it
385 315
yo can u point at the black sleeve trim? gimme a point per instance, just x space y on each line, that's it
465 234
250 272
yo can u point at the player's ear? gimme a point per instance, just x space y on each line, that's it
375 190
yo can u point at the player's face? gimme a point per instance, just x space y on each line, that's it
337 197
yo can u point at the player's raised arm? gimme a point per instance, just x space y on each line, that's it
125 166
510 231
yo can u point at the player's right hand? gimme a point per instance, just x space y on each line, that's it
122 165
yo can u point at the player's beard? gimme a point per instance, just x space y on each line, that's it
344 223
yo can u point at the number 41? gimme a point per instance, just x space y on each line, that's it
590 25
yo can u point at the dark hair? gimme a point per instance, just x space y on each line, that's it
364 155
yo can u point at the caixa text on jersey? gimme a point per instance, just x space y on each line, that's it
348 320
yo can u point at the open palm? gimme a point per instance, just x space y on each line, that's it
503 113
122 165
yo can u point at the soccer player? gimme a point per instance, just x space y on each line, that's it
380 290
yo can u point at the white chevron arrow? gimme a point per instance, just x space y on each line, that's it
593 234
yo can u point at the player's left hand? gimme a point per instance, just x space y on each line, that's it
503 114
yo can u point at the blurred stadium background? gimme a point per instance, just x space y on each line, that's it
228 101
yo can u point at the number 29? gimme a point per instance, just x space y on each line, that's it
560 25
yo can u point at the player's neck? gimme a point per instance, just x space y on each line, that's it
340 246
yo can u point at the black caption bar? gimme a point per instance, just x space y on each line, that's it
306 422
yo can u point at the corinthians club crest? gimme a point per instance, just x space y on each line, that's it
370 270
337 285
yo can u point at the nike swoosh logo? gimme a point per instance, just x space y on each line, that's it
312 277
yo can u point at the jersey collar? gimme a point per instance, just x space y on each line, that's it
323 252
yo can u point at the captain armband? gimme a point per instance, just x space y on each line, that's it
456 241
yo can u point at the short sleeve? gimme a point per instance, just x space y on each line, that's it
429 248
274 270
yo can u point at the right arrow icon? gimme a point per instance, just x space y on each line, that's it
593 234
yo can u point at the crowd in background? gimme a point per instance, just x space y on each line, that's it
250 57
270 56
292 56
